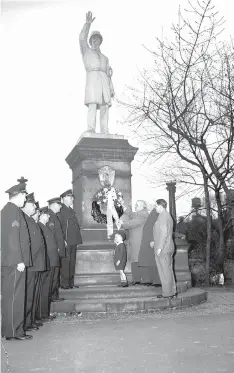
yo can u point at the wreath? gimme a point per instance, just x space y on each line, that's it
99 203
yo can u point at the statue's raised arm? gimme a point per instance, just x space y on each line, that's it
83 38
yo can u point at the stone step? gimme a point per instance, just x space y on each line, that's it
99 279
191 297
113 278
109 291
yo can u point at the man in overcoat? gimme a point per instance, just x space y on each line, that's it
164 249
134 225
49 277
55 226
15 256
33 281
146 258
72 237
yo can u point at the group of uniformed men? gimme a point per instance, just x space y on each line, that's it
38 255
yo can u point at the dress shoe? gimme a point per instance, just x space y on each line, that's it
20 338
147 284
156 285
31 328
74 287
65 287
173 296
49 318
123 285
37 324
169 297
58 300
135 283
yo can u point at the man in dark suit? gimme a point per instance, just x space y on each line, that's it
55 226
49 277
72 237
146 258
15 256
33 282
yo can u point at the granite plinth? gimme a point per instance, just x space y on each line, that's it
94 263
181 264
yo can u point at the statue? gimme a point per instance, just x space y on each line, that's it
99 89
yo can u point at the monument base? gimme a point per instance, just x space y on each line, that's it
91 154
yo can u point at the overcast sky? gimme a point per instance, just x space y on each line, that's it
43 81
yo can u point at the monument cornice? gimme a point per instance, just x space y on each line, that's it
101 149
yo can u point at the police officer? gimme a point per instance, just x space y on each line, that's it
49 277
42 296
55 226
33 283
72 237
15 257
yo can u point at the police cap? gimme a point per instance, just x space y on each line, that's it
16 189
67 193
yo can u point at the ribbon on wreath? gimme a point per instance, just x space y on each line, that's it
111 212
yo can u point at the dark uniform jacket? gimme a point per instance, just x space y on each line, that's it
70 226
55 226
25 239
146 256
121 255
14 237
37 245
51 246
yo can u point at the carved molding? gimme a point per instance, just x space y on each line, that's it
99 150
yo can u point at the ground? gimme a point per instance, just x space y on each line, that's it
197 339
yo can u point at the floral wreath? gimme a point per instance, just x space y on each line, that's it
100 200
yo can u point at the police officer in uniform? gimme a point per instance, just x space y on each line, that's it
55 226
72 237
42 296
15 257
49 277
33 284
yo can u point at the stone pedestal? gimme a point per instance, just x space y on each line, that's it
91 153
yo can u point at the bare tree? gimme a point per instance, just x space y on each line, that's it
185 106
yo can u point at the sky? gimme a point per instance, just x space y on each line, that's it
43 80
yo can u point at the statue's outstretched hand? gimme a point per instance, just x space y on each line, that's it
89 17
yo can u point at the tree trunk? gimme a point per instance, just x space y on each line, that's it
209 225
221 231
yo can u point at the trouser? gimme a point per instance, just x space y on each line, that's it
149 275
136 276
165 270
29 296
36 309
45 297
104 117
123 277
68 264
12 304
54 284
